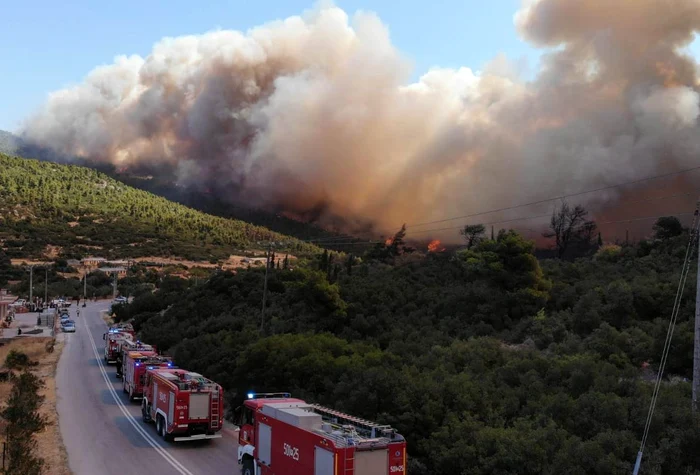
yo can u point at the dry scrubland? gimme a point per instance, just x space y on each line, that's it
50 445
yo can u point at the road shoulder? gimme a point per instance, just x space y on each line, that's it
50 445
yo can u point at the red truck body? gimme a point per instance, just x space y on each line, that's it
184 405
136 363
114 338
113 343
127 346
280 435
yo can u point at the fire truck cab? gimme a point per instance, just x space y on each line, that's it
281 435
184 405
136 363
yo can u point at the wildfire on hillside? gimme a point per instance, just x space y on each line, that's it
255 116
389 241
435 246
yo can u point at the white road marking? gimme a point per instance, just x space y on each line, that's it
169 458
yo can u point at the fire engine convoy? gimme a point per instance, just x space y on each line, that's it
279 435
184 405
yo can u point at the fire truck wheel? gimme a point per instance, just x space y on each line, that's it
162 429
248 468
144 412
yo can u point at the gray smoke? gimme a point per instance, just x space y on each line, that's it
316 113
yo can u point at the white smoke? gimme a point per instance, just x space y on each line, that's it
315 112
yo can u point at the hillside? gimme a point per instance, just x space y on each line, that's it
486 360
11 144
83 211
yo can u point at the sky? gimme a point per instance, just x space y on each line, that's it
47 45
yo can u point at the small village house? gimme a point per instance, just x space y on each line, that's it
5 300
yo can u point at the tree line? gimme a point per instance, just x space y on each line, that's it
486 359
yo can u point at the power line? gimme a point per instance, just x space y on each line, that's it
507 208
347 239
685 270
645 200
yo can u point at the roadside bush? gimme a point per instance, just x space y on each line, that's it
17 359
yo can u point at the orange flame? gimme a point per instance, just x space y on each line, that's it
434 246
389 241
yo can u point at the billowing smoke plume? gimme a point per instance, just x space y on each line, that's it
315 113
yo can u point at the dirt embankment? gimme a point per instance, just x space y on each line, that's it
49 443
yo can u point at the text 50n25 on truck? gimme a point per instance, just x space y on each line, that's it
184 405
280 435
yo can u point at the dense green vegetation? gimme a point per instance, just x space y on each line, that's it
23 422
76 208
486 360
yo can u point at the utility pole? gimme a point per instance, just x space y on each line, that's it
696 348
46 285
31 282
115 286
267 270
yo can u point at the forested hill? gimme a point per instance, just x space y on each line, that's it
486 360
164 186
86 212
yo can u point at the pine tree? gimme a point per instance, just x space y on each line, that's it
349 263
323 265
329 267
23 422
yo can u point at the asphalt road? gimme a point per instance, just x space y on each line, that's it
103 432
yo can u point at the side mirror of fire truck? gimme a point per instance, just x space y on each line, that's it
238 416
104 336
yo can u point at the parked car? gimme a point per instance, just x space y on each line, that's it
120 299
68 326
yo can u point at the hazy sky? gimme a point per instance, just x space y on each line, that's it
48 45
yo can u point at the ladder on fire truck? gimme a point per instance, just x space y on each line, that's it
371 428
341 418
215 409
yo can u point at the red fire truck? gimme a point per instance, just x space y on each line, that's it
184 405
125 347
136 363
114 338
281 435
